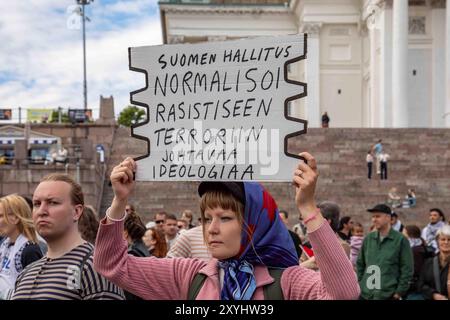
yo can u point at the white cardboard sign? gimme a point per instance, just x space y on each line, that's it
218 111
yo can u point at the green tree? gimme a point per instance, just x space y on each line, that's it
64 117
130 115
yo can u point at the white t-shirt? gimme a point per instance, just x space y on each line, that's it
384 157
10 267
190 244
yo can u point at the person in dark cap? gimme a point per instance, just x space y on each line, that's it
385 262
250 247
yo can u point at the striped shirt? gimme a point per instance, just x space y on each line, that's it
59 279
190 244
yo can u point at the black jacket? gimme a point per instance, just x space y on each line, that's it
138 249
30 253
420 255
297 242
427 282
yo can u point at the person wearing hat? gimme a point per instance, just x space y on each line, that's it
385 262
251 248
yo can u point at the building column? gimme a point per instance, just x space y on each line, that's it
400 64
375 22
447 68
438 52
385 65
374 84
312 73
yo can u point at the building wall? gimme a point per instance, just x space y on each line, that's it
437 68
22 177
419 160
340 74
372 95
419 86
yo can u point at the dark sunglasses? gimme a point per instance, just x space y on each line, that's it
159 221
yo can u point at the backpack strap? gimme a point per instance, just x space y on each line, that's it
436 273
273 290
196 285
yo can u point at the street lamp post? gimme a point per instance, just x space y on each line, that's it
78 157
83 3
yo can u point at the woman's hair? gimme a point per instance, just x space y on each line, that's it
76 193
134 226
132 208
226 201
160 249
187 214
16 205
413 231
344 220
444 231
88 224
439 211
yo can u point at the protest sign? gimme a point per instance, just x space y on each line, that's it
80 115
5 114
218 111
39 115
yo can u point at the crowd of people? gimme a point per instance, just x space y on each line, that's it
54 246
395 200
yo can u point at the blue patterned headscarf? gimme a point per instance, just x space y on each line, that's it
265 241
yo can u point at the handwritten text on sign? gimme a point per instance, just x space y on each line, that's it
216 110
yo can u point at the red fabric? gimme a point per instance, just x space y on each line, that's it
308 251
270 205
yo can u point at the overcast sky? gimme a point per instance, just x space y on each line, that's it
41 56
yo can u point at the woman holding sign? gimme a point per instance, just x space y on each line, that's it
253 256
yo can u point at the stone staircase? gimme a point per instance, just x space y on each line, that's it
420 159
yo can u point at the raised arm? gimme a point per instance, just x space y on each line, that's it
150 278
122 181
336 279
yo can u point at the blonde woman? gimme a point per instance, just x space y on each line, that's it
20 247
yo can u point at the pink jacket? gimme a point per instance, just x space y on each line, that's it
169 278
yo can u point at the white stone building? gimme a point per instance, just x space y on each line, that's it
370 63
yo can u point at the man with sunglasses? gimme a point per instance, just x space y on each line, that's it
160 219
182 225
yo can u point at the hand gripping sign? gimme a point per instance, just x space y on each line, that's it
218 111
